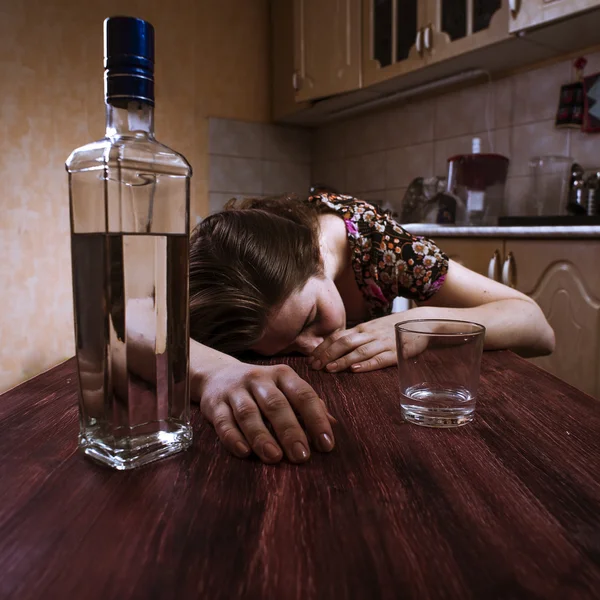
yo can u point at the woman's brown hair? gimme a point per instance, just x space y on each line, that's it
244 262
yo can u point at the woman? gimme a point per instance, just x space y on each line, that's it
319 277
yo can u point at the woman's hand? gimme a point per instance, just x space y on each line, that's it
240 399
366 347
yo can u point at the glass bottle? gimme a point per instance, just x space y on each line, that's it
129 206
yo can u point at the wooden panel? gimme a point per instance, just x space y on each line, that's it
531 13
564 279
327 47
442 47
283 103
507 507
474 254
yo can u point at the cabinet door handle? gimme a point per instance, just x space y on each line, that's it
419 42
509 271
296 81
513 6
427 37
494 266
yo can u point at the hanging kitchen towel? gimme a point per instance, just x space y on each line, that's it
571 103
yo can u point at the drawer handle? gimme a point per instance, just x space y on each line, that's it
513 6
494 266
509 271
296 81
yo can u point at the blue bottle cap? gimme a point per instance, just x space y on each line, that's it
128 60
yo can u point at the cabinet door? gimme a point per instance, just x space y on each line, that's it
327 47
390 31
458 26
282 60
563 278
481 255
525 14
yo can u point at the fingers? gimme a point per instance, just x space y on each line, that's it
277 410
250 421
337 346
226 428
358 355
379 361
262 409
309 406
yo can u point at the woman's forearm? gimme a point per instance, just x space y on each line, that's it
515 324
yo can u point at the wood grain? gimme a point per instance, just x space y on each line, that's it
507 507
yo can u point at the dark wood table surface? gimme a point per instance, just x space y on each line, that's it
506 507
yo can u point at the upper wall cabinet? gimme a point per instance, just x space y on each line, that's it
458 26
327 48
400 36
525 14
392 38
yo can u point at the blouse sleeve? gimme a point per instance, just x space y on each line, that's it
419 268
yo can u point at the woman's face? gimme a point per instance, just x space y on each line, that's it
304 320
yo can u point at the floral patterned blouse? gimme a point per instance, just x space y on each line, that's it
387 260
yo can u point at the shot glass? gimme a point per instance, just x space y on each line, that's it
438 368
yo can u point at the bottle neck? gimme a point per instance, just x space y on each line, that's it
132 119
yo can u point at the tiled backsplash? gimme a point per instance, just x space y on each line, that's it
255 159
377 155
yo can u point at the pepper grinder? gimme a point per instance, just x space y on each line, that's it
577 202
593 191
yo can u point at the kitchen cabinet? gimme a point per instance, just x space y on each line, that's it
456 27
482 255
283 97
326 48
560 275
392 41
400 36
563 278
525 14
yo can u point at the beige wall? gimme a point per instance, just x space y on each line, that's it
377 155
212 60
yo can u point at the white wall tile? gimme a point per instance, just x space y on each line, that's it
410 124
535 139
367 134
235 138
234 175
365 173
536 93
462 112
404 164
331 173
285 177
290 144
329 141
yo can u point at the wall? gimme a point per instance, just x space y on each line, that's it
256 159
212 60
377 155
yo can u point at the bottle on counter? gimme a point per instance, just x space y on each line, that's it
129 206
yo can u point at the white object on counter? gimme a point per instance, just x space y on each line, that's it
400 304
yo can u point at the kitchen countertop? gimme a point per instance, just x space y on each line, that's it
506 507
554 231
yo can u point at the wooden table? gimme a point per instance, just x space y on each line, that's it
507 507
